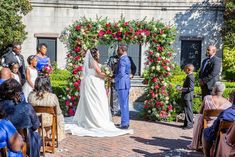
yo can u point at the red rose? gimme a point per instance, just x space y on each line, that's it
161 31
159 48
154 79
126 24
147 32
119 38
80 68
75 71
119 34
76 84
108 25
158 104
101 33
131 29
153 95
77 49
78 27
151 52
71 112
156 87
77 58
109 31
126 33
146 106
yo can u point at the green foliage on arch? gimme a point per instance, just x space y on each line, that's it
87 33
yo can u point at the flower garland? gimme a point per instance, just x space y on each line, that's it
86 33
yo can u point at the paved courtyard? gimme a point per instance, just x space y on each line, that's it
149 140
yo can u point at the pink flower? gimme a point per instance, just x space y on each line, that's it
161 31
147 32
75 71
159 58
126 24
170 108
67 103
163 114
159 48
157 87
101 33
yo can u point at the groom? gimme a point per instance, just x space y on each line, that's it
122 84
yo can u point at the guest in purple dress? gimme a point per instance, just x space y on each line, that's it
43 59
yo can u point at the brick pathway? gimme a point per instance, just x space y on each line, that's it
149 140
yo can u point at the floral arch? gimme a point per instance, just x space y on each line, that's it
86 33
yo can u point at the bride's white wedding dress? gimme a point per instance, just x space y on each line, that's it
93 116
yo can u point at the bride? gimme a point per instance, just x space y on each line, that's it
93 117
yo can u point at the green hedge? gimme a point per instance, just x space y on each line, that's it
178 79
229 74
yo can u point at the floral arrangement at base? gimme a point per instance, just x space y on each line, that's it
86 33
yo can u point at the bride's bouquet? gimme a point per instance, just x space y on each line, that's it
107 70
109 73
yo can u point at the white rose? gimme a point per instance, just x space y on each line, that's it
157 54
82 31
154 109
167 98
149 111
158 68
167 101
153 68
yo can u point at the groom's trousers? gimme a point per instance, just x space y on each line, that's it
123 97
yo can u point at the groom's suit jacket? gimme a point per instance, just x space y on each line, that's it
122 78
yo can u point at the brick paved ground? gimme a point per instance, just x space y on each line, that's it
149 140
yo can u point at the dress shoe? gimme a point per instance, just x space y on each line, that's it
187 127
117 125
124 127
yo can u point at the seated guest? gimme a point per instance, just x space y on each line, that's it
209 134
41 96
20 113
214 101
5 75
226 146
10 138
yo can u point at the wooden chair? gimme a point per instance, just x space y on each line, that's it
54 132
3 152
206 114
24 133
41 133
223 127
210 113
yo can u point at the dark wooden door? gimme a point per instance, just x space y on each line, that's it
191 53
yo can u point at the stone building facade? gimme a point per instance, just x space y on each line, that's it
198 24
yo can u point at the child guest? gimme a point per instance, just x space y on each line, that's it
187 96
31 75
14 67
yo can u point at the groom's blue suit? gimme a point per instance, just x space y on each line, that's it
122 84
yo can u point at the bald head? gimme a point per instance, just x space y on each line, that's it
5 74
211 50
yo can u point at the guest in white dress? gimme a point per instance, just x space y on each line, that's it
31 75
14 67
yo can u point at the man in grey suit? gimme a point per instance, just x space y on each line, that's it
210 71
14 56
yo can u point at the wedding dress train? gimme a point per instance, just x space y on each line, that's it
93 116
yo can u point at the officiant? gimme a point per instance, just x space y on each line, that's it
112 63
